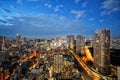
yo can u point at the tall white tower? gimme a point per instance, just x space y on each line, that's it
3 44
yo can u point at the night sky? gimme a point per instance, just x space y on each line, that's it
51 18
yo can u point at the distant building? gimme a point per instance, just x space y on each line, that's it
18 36
2 43
1 75
118 72
58 63
80 42
19 72
3 55
71 41
59 42
102 51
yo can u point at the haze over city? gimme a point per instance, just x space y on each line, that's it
51 18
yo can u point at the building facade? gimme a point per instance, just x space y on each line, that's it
80 43
102 51
118 72
71 41
58 63
3 55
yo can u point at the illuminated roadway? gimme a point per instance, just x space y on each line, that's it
94 74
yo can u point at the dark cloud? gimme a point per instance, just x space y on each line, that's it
4 16
45 24
5 10
2 21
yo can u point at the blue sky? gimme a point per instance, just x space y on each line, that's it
51 18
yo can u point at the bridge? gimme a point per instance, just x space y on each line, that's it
91 72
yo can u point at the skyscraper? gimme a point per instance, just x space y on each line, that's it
80 42
118 72
71 41
18 36
2 43
58 63
102 51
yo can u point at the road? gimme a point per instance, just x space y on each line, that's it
94 74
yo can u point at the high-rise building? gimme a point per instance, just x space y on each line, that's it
58 63
18 36
1 75
3 55
2 43
80 42
118 72
102 51
71 41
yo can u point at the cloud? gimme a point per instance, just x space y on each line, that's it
20 13
34 0
42 25
84 4
104 13
110 6
13 7
19 1
79 13
2 21
76 1
57 8
5 22
48 5
91 19
4 16
5 10
101 20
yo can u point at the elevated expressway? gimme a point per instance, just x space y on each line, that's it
91 72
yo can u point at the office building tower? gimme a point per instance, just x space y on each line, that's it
71 41
118 72
1 42
18 36
19 72
102 51
58 63
0 46
80 43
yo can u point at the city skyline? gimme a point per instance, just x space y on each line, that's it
51 18
60 58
